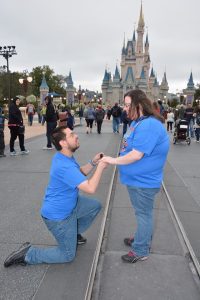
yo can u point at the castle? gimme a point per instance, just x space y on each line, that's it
135 71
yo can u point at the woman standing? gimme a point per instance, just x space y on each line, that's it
89 115
141 162
16 126
100 114
170 119
51 121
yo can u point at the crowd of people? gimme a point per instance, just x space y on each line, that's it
58 116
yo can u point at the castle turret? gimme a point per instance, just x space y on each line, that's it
164 87
70 90
190 90
44 89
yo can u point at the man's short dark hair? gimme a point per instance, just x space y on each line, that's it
58 135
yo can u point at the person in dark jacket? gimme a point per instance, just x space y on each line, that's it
2 142
16 126
125 120
100 114
51 121
116 114
67 119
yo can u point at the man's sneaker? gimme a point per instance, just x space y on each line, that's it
13 153
128 241
132 257
2 155
47 148
24 152
81 240
17 257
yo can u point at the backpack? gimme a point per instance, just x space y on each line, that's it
115 111
30 109
2 119
198 119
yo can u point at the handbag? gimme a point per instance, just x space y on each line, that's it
21 129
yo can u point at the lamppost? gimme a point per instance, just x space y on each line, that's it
25 81
7 52
197 101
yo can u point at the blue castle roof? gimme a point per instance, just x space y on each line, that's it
129 74
44 84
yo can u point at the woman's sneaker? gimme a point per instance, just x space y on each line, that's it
13 153
128 241
132 257
24 152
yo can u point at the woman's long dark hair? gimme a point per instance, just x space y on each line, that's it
140 100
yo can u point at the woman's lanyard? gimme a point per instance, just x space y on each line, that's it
137 122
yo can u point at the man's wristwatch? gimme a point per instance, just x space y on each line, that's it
92 163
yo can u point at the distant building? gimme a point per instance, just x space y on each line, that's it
135 71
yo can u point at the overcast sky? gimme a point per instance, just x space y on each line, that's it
86 35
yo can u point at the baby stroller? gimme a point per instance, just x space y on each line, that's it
181 132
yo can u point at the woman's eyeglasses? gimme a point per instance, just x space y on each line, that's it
127 104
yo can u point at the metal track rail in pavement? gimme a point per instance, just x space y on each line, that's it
93 269
189 253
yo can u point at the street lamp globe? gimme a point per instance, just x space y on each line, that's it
21 81
29 78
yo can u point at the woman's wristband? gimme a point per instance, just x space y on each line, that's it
92 163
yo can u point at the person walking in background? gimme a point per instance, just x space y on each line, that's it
80 112
30 110
116 114
197 123
2 142
181 112
51 121
43 113
189 111
142 158
65 212
16 126
108 112
39 109
66 118
170 119
125 121
100 114
89 115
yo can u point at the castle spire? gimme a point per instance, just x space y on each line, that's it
190 84
141 19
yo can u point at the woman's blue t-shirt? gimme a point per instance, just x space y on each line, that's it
148 136
62 192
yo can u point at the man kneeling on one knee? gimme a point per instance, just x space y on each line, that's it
65 213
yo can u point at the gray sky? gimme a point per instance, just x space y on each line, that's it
85 36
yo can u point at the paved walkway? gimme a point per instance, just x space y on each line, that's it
23 179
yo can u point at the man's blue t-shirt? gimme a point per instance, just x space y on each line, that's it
62 192
148 136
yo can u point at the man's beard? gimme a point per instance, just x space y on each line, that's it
73 149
